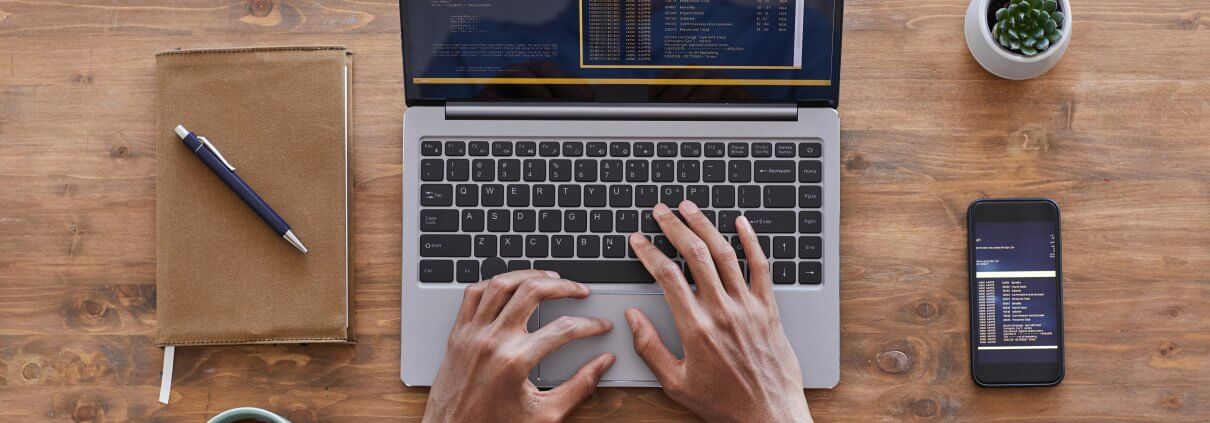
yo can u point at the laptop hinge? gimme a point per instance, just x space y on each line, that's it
621 111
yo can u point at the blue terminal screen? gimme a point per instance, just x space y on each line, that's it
622 50
1017 292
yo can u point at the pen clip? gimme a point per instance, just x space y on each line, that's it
214 150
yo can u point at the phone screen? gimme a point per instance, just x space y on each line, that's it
1016 308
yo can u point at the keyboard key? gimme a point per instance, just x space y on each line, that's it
492 267
466 195
647 222
560 170
662 171
784 149
646 195
548 149
445 245
810 247
766 244
810 222
644 149
698 194
498 220
626 221
715 149
436 195
779 196
666 149
600 221
575 221
492 195
810 171
485 245
636 170
810 273
534 170
536 246
436 220
509 170
511 245
664 245
573 149
562 246
783 247
455 148
550 221
738 245
737 149
479 148
436 270
457 169
773 171
544 195
432 170
739 171
483 170
809 149
586 170
598 271
783 272
472 220
467 271
525 220
810 196
714 171
514 265
588 246
688 171
726 221
527 148
620 196
612 171
595 195
613 246
771 222
502 148
619 149
518 195
430 148
749 196
569 196
671 195
724 196
597 149
762 149
691 149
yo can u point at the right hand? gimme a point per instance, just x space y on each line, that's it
738 364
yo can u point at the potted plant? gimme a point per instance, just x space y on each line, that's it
1018 39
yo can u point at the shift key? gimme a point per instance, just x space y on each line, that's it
445 245
772 222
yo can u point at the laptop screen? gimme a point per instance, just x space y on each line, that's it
622 50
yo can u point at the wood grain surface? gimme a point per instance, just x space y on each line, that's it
1118 133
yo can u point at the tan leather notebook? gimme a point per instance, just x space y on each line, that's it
280 116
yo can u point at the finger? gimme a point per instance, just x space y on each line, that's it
565 329
760 276
649 346
470 302
666 273
580 387
500 288
724 256
531 292
695 252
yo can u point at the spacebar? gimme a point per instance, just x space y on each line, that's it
598 271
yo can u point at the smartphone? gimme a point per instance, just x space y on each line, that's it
1016 292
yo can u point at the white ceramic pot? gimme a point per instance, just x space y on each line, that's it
999 60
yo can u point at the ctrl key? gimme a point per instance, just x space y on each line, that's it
436 270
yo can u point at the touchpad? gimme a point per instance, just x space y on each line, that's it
564 362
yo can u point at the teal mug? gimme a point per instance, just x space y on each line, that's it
247 413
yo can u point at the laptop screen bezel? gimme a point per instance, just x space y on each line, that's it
831 99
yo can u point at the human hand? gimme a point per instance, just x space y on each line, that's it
484 376
738 364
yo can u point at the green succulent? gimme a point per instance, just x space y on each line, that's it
1028 26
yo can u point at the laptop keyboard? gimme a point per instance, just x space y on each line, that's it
489 207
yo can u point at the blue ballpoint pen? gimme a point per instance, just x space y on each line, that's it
209 155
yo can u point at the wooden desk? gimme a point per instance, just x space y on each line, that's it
1118 134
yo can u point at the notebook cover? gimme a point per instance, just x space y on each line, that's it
280 116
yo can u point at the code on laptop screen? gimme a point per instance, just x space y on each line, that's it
622 50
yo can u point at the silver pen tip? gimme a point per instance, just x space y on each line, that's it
289 236
181 131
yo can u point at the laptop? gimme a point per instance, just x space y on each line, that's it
540 133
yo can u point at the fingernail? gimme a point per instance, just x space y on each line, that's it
552 273
743 220
660 210
689 207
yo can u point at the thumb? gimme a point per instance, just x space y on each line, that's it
649 346
582 384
